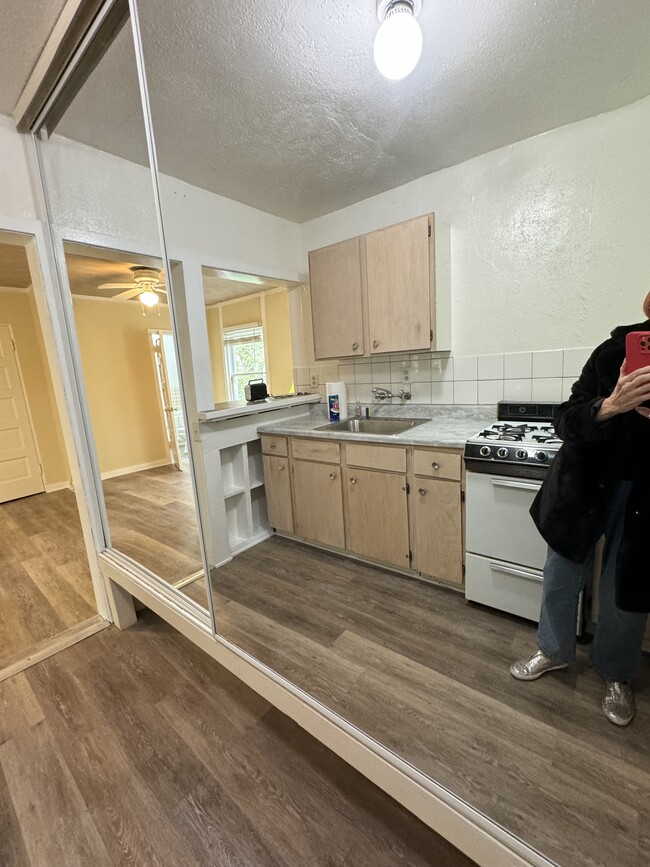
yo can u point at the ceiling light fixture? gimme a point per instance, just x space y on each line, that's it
148 298
398 43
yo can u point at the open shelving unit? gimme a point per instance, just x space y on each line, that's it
242 473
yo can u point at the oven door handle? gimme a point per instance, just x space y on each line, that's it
519 573
522 486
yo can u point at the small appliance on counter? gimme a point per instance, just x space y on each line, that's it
506 464
337 401
255 390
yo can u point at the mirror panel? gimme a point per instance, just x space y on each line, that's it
266 152
103 216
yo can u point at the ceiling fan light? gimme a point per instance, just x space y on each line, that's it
398 43
148 298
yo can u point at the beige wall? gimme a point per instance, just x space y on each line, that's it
18 309
120 382
277 335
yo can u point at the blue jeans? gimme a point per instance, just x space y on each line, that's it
619 634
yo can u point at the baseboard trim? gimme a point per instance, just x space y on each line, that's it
137 468
58 486
50 646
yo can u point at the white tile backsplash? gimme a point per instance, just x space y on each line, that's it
466 392
490 390
518 365
547 364
485 379
549 389
465 368
490 367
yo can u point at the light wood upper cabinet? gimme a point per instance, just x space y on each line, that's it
377 513
277 483
337 317
399 287
318 499
437 514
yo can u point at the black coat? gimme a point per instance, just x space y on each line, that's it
570 509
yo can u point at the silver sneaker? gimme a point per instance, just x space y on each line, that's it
534 666
618 703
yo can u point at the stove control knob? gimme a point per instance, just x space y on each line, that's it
541 456
502 452
521 454
485 452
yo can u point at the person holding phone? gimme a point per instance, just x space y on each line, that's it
598 484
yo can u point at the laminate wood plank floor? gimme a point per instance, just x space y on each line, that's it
426 674
45 583
136 748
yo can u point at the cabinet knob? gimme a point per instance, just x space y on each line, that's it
375 344
273 445
435 465
280 466
353 481
421 491
355 346
332 476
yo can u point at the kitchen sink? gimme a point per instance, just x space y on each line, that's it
382 426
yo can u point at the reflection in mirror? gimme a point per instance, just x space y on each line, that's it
396 583
121 316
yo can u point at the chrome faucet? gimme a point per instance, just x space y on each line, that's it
385 394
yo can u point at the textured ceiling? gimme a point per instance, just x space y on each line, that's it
279 105
24 29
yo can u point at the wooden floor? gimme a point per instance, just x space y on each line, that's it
137 749
45 584
426 674
152 519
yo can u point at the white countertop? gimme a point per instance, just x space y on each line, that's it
449 426
235 408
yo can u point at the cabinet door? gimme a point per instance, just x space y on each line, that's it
318 498
437 513
378 516
335 280
277 486
398 272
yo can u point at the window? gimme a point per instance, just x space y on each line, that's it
243 348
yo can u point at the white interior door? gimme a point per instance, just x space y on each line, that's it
169 409
20 471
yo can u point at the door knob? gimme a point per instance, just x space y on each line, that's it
421 491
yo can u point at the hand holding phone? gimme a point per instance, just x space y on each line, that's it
637 350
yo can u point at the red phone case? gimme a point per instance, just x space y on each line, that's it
637 350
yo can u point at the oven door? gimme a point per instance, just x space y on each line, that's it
498 522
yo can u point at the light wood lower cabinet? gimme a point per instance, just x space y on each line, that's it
437 514
277 484
377 516
318 500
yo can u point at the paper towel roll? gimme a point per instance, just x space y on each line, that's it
337 401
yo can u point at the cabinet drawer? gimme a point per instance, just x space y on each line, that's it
274 446
376 457
441 465
316 450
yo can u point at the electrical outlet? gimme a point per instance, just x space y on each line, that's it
313 380
406 374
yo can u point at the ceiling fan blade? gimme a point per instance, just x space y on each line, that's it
162 289
130 293
116 285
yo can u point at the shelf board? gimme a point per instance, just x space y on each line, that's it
234 491
257 483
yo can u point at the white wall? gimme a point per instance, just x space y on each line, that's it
550 236
16 199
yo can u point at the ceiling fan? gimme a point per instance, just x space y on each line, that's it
147 286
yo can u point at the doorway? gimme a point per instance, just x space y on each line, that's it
169 395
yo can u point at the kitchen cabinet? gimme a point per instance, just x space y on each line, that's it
335 274
277 484
377 515
387 291
438 529
318 499
399 273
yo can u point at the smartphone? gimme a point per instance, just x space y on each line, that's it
637 350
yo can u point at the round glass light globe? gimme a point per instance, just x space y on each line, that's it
149 298
398 46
